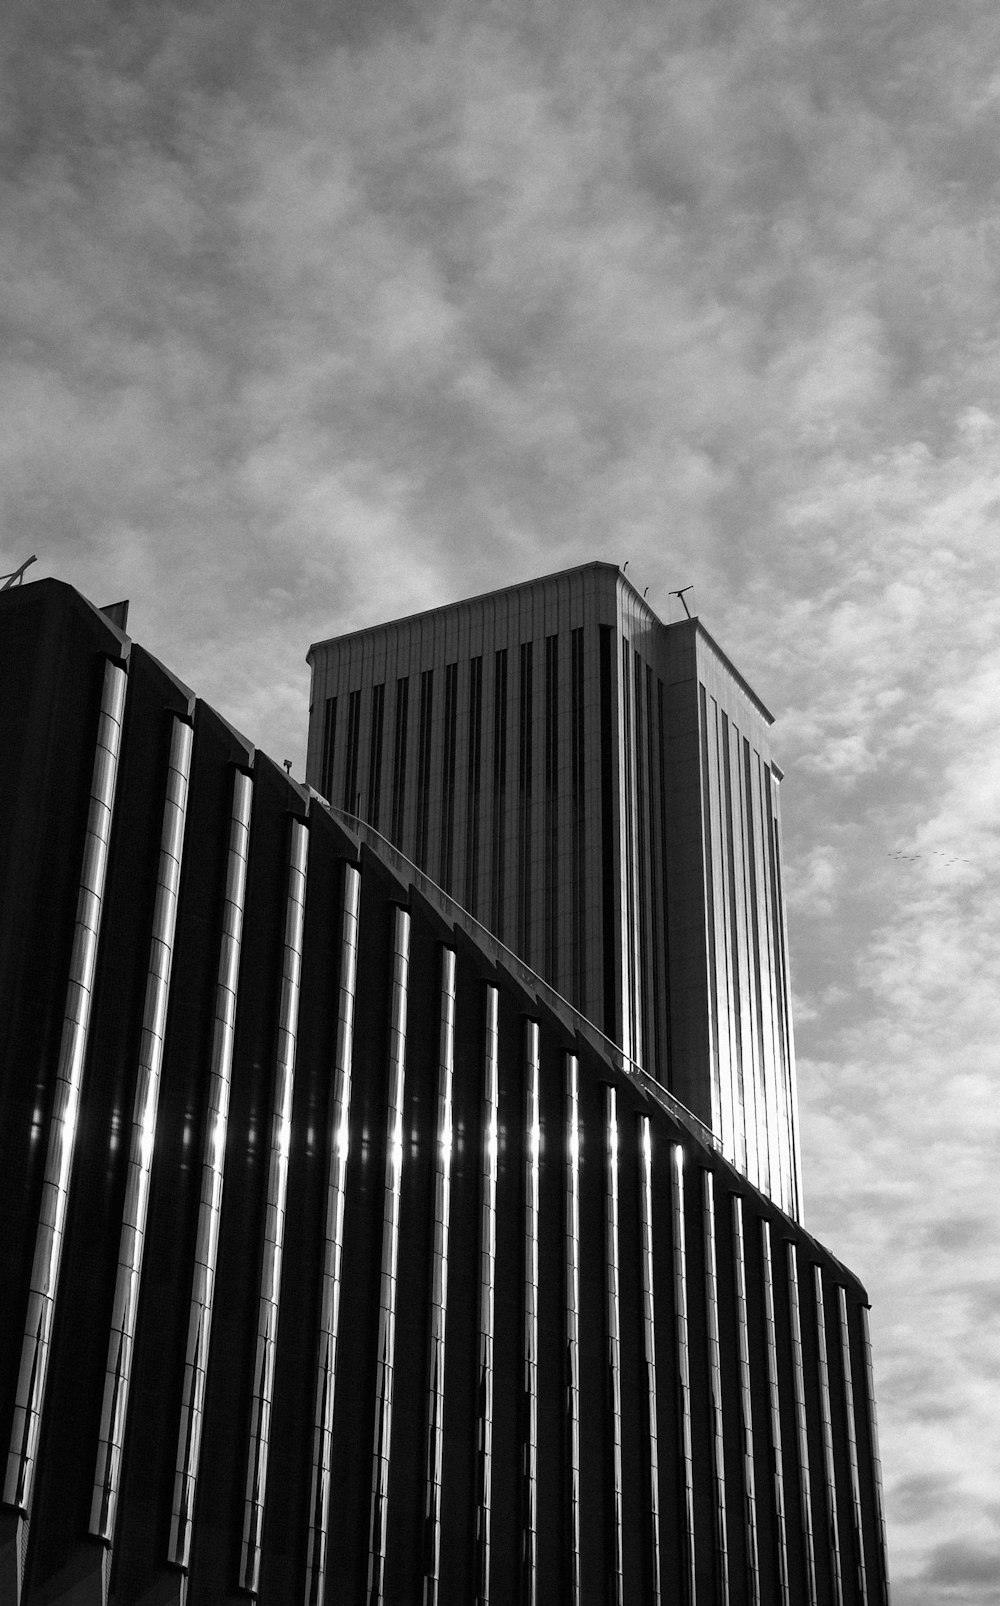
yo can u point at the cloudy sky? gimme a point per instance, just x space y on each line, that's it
319 313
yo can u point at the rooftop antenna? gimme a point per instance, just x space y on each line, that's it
625 565
16 575
680 595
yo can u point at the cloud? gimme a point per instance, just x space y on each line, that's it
317 316
960 1562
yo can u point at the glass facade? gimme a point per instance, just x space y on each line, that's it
107 1477
750 1535
775 1438
716 1412
853 1460
439 1284
571 1073
826 1438
378 1530
616 1568
487 1294
274 1217
338 1152
31 1380
874 1504
529 1402
801 1423
438 1295
212 1176
682 1374
649 1354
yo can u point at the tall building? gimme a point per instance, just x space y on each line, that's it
342 1260
598 789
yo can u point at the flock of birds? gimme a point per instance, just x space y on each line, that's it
935 853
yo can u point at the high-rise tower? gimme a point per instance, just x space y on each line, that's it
597 788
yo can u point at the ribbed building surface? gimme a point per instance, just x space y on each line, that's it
598 789
342 1262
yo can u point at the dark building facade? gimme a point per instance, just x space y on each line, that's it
598 789
343 1262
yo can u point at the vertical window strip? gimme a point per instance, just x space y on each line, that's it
745 1118
385 1357
720 1105
746 1407
114 1408
529 1432
524 797
783 1010
665 1071
399 759
649 1354
572 1297
861 1576
643 900
29 1398
448 774
656 1046
434 1459
374 798
487 1291
715 1403
610 890
732 1131
579 855
424 728
768 1082
352 802
799 1389
631 1007
333 1247
683 1370
612 1306
268 1308
212 1171
329 745
826 1428
551 912
875 1466
474 783
774 1416
499 819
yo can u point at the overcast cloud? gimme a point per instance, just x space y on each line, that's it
317 314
